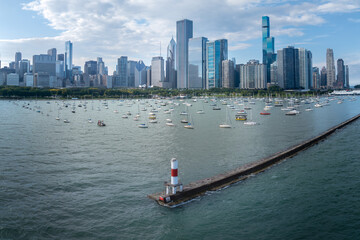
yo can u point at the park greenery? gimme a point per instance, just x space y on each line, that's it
93 93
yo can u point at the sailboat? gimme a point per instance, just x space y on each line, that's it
189 125
250 123
227 121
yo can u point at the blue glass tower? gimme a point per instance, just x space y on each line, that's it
68 59
216 52
268 46
184 31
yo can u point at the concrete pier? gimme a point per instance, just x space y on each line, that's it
198 188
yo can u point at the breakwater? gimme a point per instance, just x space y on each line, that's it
198 188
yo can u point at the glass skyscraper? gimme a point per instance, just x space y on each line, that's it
197 63
184 31
268 46
216 52
288 68
68 58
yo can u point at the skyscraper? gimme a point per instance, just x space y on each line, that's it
68 58
340 83
330 67
288 68
216 52
17 60
131 73
228 74
184 31
253 75
197 63
52 52
268 46
316 77
170 64
323 78
140 74
157 71
347 76
305 68
121 70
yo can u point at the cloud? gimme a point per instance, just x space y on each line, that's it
135 28
355 20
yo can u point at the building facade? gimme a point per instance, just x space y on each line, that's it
253 75
330 67
216 52
305 69
157 71
171 64
340 83
268 46
288 68
197 63
228 71
184 31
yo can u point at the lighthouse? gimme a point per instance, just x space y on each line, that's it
174 186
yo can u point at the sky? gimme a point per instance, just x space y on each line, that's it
136 28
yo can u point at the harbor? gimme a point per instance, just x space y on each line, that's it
198 188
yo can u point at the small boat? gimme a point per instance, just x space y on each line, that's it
116 111
216 108
73 111
153 121
89 120
189 126
168 120
101 123
292 113
265 113
308 109
224 126
124 116
240 117
136 118
170 124
66 121
250 123
57 118
183 113
317 105
200 112
128 113
184 121
142 125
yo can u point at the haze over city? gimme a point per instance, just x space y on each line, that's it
110 28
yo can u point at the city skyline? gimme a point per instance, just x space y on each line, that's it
324 24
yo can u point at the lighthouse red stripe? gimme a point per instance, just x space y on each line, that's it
174 172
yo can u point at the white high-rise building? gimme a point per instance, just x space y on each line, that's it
13 79
253 75
330 67
29 80
157 71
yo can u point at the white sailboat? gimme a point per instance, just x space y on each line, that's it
227 123
250 123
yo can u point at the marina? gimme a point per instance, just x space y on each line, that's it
76 180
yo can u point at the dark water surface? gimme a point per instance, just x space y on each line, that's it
80 181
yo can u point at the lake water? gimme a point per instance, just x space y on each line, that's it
80 181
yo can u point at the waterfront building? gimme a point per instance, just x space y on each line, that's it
52 52
316 77
184 31
3 74
41 79
157 71
347 76
323 78
274 79
253 75
228 78
90 67
197 63
305 69
68 59
340 83
121 71
330 67
268 46
237 76
140 74
24 67
101 69
61 57
148 77
18 57
13 79
131 73
29 80
171 64
44 63
288 68
216 52
60 69
109 82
